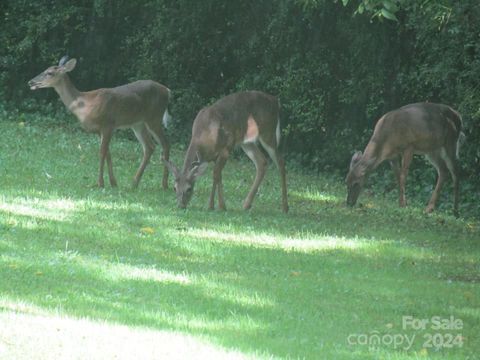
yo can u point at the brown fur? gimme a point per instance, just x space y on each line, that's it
139 105
428 129
247 119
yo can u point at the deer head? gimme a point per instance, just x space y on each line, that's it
355 178
185 181
51 76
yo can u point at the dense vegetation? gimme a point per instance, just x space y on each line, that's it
336 65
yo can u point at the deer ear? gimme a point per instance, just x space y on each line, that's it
173 169
69 65
355 158
197 170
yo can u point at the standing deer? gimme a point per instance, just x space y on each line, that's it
140 105
247 119
433 130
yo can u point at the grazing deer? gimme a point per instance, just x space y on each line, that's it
433 130
140 105
247 119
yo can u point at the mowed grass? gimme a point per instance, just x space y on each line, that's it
108 273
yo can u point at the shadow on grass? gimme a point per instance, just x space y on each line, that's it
263 282
237 288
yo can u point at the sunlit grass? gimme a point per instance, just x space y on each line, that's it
306 243
114 267
54 336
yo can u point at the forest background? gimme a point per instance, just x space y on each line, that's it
336 66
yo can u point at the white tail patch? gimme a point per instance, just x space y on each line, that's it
166 118
278 132
461 139
251 135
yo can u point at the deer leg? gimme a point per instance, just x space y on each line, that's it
148 146
105 138
217 183
395 164
406 160
113 181
280 163
255 154
158 134
450 158
442 170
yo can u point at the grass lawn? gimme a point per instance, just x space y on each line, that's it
88 273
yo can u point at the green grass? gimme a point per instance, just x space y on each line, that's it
92 273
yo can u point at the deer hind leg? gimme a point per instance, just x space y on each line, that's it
105 138
274 154
407 157
442 171
158 134
148 146
450 157
255 154
217 183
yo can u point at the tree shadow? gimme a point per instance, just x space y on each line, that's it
260 298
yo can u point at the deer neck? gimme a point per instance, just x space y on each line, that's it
67 91
190 157
369 160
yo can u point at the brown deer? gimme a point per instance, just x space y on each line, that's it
248 119
140 105
433 130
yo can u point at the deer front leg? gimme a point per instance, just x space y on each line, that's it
218 184
406 160
255 154
105 138
113 181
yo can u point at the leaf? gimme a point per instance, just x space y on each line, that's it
388 15
390 6
147 230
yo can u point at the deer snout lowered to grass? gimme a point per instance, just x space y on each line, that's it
140 106
433 130
249 119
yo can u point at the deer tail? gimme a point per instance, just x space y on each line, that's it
167 118
460 141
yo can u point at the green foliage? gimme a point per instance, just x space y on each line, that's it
335 73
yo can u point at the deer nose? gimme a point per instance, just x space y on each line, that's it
181 205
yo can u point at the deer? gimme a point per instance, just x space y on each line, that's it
249 119
140 105
429 129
